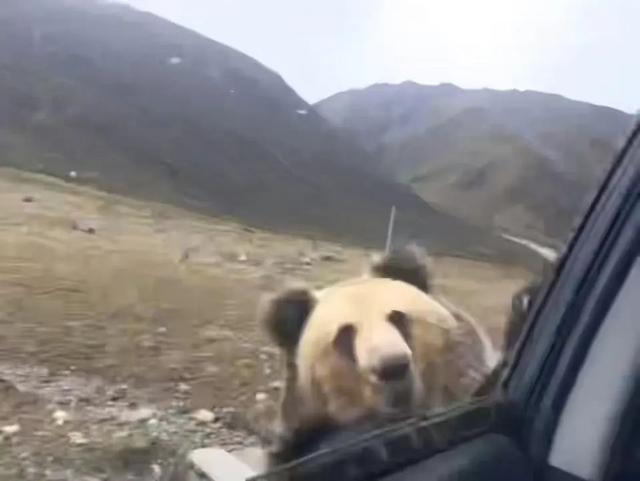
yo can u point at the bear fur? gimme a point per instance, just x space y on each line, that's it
365 347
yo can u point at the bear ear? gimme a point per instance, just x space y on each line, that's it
407 264
284 315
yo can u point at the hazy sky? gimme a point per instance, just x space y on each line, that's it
583 49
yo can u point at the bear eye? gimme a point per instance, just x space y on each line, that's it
401 322
344 342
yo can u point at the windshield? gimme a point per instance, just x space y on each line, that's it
239 224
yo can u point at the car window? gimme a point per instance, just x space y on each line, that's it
258 224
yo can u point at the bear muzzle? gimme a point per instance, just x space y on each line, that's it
394 382
393 369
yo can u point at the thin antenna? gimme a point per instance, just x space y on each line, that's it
392 219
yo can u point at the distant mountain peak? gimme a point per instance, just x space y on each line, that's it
519 160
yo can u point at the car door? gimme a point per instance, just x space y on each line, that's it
524 429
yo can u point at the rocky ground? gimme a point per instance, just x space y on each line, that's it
128 333
68 426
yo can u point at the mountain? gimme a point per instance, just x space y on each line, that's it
520 161
99 93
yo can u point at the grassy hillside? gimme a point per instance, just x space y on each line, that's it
133 104
131 328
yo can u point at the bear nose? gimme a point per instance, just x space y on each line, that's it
393 369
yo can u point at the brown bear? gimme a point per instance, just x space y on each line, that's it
370 348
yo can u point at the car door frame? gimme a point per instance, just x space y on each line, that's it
568 312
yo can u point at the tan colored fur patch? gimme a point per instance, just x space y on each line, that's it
366 303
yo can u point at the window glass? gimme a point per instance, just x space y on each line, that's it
169 170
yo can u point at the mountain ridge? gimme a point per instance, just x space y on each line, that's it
437 139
